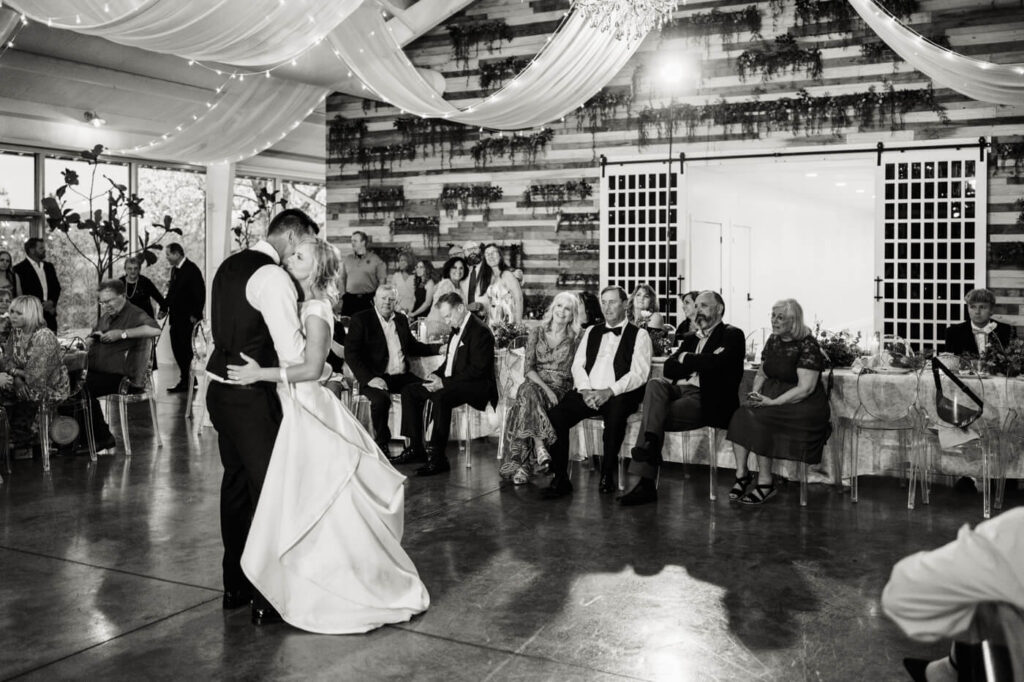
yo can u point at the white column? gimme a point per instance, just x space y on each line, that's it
220 186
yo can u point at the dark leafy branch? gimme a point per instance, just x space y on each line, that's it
785 54
497 72
703 25
525 146
468 37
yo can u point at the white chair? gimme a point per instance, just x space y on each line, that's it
202 342
127 394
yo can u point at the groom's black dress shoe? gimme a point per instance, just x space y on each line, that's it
237 599
436 464
644 492
410 455
265 615
559 487
607 484
916 668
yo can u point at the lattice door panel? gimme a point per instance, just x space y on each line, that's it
930 241
639 232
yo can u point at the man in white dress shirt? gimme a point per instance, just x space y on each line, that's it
609 373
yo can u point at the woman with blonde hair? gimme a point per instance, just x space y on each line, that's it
787 413
33 369
642 309
547 367
325 543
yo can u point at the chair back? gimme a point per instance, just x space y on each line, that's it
506 370
886 398
1000 627
76 360
202 340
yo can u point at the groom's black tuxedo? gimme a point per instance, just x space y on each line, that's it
247 418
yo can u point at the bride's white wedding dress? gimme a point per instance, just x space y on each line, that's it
325 544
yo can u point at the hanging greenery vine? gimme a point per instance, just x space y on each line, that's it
555 194
496 72
703 25
422 133
344 136
380 200
527 146
877 51
416 225
1007 152
1006 255
807 113
463 197
784 54
838 15
467 37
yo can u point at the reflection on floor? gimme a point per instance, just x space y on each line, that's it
111 571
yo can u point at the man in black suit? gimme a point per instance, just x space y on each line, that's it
974 336
38 278
465 376
253 310
700 388
377 347
609 371
186 298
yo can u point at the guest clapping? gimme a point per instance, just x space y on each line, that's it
423 288
33 369
405 283
609 371
643 308
501 291
787 412
452 275
974 336
700 388
547 367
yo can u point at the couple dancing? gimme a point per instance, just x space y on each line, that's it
311 511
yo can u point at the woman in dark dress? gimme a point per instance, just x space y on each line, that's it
547 367
423 289
139 289
787 413
689 301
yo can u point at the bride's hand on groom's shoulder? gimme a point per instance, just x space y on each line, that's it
249 373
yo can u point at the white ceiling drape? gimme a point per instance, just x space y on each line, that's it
239 32
980 80
577 62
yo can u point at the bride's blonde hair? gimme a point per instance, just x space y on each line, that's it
323 281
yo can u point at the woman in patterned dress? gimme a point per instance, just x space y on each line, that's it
547 368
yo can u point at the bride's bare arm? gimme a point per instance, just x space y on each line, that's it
318 342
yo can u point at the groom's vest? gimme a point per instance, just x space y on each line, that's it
238 327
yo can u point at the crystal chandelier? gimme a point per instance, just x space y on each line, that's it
629 20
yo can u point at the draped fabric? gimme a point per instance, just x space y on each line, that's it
250 117
238 32
577 62
980 80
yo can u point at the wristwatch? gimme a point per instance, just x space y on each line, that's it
124 334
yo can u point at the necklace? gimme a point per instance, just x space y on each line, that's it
131 292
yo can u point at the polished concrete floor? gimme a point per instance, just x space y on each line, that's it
112 571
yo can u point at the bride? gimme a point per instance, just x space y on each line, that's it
325 542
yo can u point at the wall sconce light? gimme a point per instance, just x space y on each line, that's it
94 119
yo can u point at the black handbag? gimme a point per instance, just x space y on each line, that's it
957 414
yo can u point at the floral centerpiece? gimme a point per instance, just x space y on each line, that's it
506 332
1007 360
662 343
842 347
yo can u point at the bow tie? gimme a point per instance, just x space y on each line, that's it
987 329
613 330
455 331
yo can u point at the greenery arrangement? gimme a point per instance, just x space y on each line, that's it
380 200
1008 360
342 135
703 25
662 343
382 157
463 197
785 54
496 72
556 194
838 15
265 203
878 51
422 133
576 279
469 36
1007 254
108 229
507 332
577 220
1007 152
842 348
416 225
527 146
578 250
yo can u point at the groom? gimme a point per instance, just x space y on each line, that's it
254 310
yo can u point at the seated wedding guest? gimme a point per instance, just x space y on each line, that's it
405 283
609 371
547 368
119 347
643 308
502 296
787 412
700 388
465 376
5 318
934 595
33 369
973 336
688 300
139 289
423 289
377 348
591 309
452 274
8 280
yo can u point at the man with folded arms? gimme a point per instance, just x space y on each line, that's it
377 347
465 376
609 371
700 388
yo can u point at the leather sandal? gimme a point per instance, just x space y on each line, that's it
759 494
740 485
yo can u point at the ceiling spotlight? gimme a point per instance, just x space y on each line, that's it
94 119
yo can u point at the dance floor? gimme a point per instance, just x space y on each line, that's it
112 571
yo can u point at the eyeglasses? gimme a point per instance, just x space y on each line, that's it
108 301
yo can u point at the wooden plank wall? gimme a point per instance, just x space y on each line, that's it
989 30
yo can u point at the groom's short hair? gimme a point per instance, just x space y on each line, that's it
294 220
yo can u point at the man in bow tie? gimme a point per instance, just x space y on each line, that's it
609 371
974 336
700 388
465 376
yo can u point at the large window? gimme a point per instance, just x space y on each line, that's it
182 196
17 181
309 197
